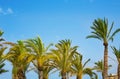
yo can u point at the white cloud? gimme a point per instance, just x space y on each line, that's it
10 11
6 12
1 10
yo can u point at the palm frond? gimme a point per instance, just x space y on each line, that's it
116 52
114 33
1 68
86 63
109 32
93 36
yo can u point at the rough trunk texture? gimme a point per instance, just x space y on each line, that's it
105 72
45 77
14 76
40 72
21 74
79 77
118 71
63 75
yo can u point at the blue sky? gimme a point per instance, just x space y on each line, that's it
54 20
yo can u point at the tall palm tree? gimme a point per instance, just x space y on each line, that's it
20 59
117 54
80 69
101 31
40 52
99 67
62 56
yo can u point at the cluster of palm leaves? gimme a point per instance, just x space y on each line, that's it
62 56
2 49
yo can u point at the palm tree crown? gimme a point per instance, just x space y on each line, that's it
117 54
80 69
37 48
20 59
101 31
62 56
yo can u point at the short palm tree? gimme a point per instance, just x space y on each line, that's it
2 60
80 69
62 56
117 54
40 52
101 31
99 67
20 59
48 66
2 49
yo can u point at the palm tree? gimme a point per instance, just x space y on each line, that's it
48 66
20 58
99 67
2 60
62 56
40 52
102 32
80 69
2 49
117 54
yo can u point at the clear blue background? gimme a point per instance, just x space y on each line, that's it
55 20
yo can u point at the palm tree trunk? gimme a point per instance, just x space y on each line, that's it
63 75
105 72
14 76
79 77
40 72
21 74
118 73
45 76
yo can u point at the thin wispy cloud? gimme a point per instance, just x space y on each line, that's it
10 11
6 11
1 11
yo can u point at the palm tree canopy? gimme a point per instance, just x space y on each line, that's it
78 64
99 66
62 55
36 47
19 57
79 67
101 31
2 59
116 53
